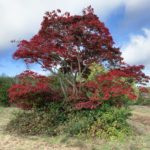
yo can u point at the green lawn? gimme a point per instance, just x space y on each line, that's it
141 141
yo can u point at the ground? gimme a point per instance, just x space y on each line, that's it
141 141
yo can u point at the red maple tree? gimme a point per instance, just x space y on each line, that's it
69 44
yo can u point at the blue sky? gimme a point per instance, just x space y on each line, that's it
127 20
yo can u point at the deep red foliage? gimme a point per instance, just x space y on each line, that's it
32 90
65 39
110 86
136 73
87 105
74 42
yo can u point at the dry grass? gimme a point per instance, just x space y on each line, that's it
141 141
15 142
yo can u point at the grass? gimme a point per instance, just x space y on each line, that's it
140 141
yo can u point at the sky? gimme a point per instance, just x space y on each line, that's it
128 22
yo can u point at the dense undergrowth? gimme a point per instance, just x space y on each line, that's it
105 122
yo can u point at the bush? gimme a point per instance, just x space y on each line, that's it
32 91
5 84
39 121
112 124
104 122
109 87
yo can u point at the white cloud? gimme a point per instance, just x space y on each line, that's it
137 51
21 19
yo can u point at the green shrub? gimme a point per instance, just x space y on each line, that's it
37 121
111 124
31 123
5 83
104 122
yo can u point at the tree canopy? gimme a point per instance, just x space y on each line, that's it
71 44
